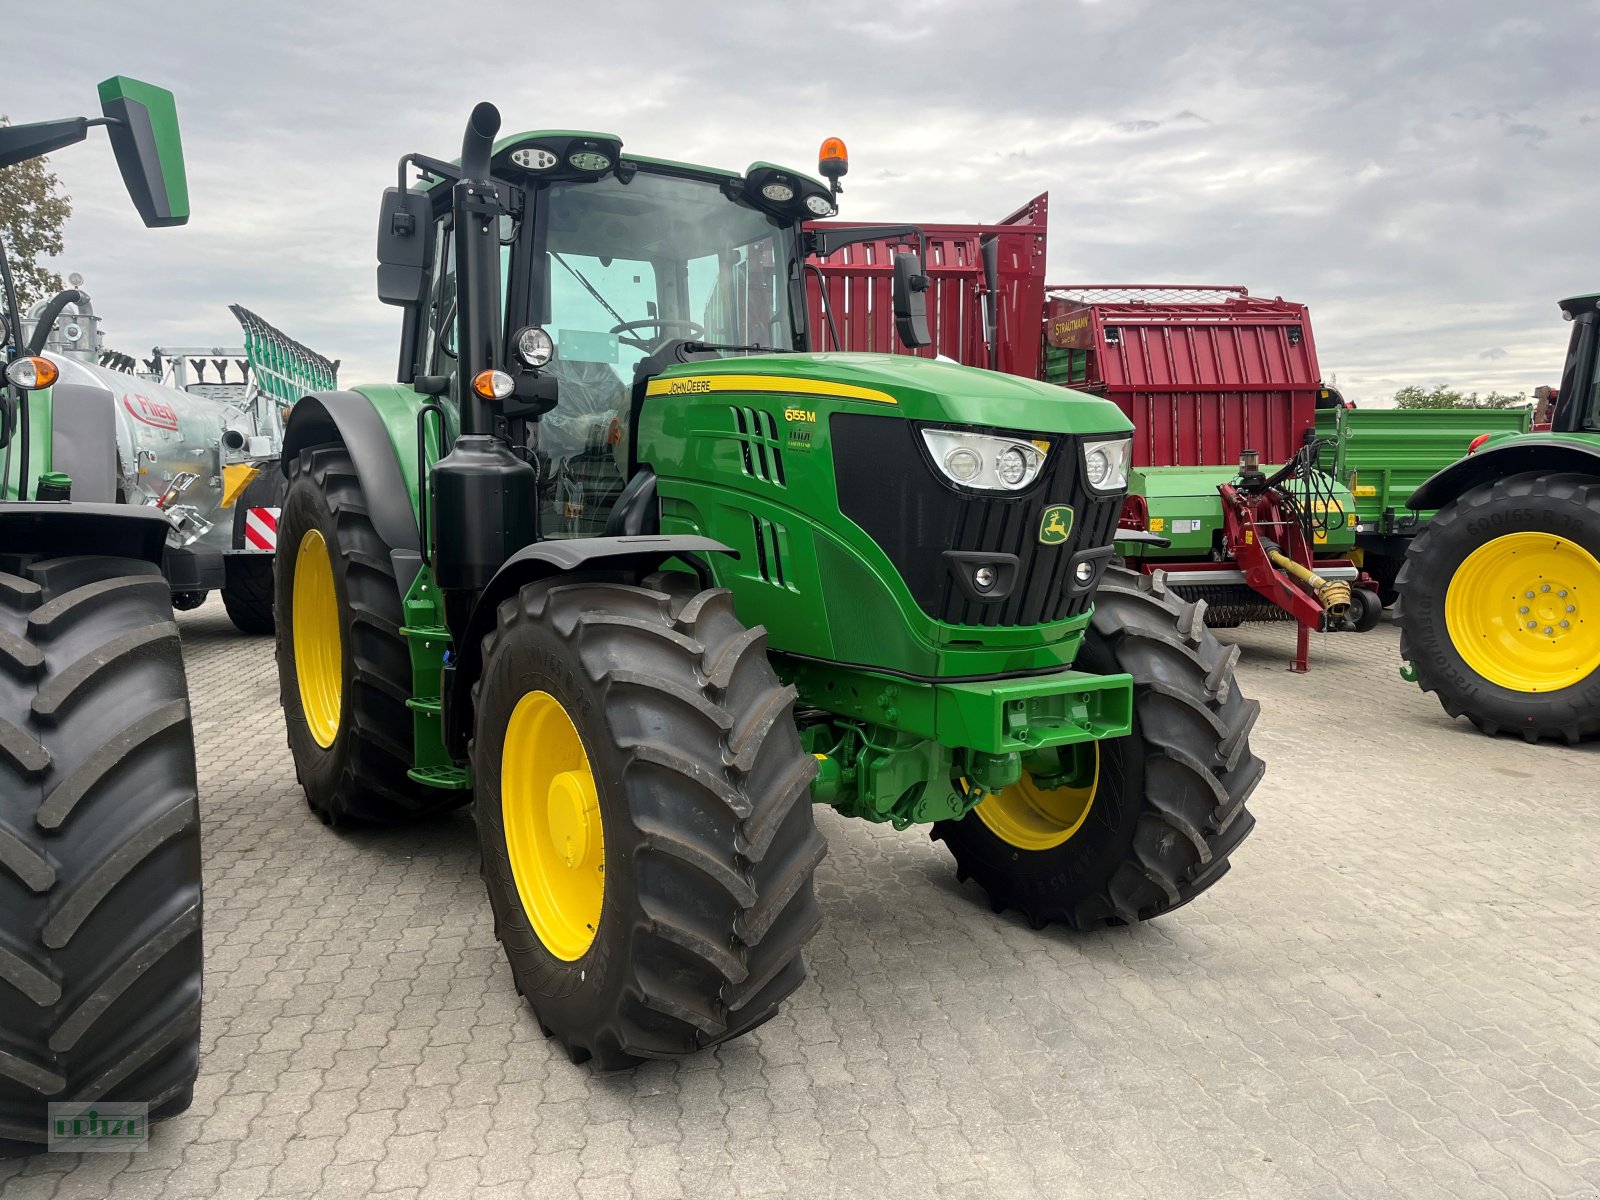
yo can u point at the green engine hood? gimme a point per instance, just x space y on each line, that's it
918 388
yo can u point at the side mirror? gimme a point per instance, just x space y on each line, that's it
403 246
144 134
911 301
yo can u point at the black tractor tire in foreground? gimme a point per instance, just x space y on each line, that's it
1169 807
361 776
99 844
704 797
1567 507
247 590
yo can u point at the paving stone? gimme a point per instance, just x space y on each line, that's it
1395 992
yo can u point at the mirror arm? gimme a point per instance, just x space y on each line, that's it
823 242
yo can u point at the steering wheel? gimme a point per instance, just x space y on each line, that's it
693 328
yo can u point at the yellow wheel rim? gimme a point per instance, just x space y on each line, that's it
318 651
1031 817
554 838
1523 611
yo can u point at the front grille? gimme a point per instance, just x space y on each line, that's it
889 487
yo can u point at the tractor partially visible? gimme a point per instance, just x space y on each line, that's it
1500 592
100 905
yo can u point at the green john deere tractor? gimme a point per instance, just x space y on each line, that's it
1500 593
99 816
623 564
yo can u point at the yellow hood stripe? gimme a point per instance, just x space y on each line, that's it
696 385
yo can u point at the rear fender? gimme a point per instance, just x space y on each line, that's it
1547 456
382 442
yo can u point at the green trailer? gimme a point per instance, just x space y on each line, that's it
1383 455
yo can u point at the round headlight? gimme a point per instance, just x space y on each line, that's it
1084 572
1012 466
589 160
962 463
534 346
820 205
782 193
1097 465
984 578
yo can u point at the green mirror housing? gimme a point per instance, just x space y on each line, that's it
144 134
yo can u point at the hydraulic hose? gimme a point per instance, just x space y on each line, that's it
1333 594
47 318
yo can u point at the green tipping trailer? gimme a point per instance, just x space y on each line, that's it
1383 455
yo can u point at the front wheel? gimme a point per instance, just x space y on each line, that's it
1500 607
643 805
1125 830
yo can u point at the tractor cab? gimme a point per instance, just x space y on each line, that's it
606 271
1577 405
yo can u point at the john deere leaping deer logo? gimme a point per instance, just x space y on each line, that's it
1056 524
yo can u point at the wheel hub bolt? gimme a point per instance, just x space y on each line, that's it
1530 595
1548 630
1533 624
1545 588
1566 624
1572 608
1562 593
1523 610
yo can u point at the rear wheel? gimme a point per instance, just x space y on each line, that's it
344 672
1125 830
99 844
1366 610
1500 607
644 809
247 592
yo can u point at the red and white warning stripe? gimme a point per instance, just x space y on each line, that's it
261 528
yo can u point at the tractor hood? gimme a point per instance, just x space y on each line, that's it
917 388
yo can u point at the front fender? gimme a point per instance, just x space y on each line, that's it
634 556
63 528
1518 456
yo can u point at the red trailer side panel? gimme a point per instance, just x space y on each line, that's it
859 282
1203 373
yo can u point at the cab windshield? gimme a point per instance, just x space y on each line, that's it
619 271
622 269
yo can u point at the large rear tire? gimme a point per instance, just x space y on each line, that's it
1500 607
344 672
1143 824
644 809
100 902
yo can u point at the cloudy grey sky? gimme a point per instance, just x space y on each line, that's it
1416 171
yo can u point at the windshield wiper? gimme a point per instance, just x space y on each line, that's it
696 347
574 273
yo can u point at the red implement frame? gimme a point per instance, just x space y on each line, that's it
1252 522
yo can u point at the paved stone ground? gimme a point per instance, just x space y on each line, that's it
1396 993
